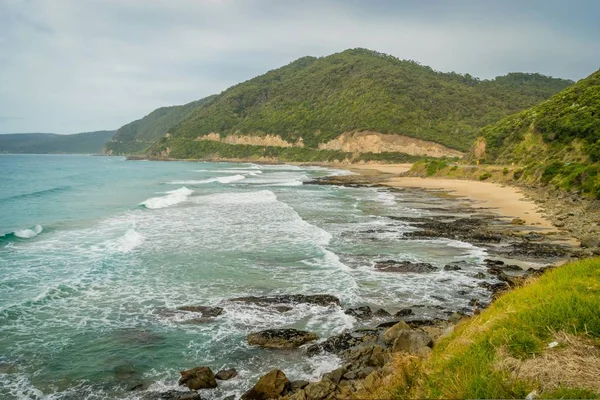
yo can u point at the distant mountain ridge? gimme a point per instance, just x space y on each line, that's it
138 135
312 101
50 143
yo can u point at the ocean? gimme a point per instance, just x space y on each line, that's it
97 253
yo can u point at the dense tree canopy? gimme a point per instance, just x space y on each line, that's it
317 99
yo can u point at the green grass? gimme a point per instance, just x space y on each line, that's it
521 324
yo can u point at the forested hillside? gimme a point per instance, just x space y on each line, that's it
317 99
138 135
558 141
49 143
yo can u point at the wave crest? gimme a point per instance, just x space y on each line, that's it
173 197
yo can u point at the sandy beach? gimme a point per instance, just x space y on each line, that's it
506 201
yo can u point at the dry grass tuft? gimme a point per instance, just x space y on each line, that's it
575 363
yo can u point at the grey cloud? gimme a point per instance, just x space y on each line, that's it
82 65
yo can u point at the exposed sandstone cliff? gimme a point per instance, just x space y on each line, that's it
266 140
375 142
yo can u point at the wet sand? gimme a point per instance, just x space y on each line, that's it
507 201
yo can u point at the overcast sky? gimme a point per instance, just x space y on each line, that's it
70 66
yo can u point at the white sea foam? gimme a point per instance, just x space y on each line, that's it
173 197
222 179
128 242
28 233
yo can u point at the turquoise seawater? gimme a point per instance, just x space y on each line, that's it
96 254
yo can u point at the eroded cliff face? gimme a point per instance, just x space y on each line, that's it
375 142
266 140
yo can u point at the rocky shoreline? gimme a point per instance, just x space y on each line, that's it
366 353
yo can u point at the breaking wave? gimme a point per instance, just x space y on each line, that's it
173 197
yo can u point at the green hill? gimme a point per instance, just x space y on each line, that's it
318 99
49 143
557 141
138 135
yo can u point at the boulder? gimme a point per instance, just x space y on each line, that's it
391 334
382 313
452 267
404 267
405 312
271 386
591 241
336 375
207 312
411 342
226 374
362 312
198 378
281 338
320 390
298 385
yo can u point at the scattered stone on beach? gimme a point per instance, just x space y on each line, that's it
518 221
281 338
316 299
198 378
206 311
270 386
226 374
362 312
404 267
173 395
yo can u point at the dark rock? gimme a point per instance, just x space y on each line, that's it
198 378
317 299
362 312
438 298
283 309
270 386
404 267
461 292
452 267
281 338
495 287
502 276
206 311
390 334
404 312
226 374
479 275
382 313
364 372
298 385
173 395
339 343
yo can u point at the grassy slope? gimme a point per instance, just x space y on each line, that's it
138 135
519 325
47 143
319 98
557 141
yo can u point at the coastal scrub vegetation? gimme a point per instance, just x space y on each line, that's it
543 337
317 99
557 141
